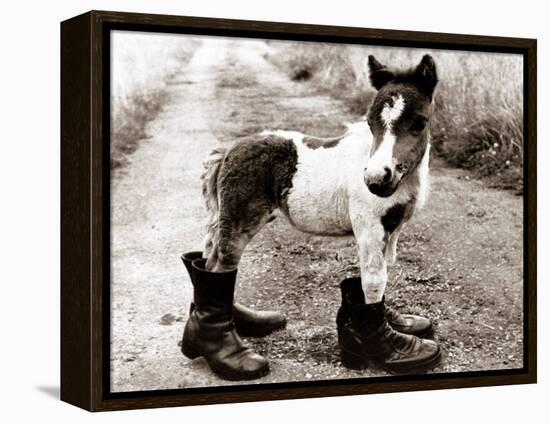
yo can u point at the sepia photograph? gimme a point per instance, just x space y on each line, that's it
293 211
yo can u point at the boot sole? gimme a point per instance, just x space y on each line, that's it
358 362
414 367
259 332
353 361
191 353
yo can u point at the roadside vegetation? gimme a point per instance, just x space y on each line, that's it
478 116
142 65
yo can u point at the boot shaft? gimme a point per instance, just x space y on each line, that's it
367 316
211 315
187 259
248 322
210 330
212 288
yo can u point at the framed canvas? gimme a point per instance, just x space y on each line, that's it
214 169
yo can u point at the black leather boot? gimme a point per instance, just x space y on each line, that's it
404 323
366 335
408 323
210 329
248 322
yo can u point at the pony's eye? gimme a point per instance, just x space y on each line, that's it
418 125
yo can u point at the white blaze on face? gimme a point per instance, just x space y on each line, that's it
383 157
391 113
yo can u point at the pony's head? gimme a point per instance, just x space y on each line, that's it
398 118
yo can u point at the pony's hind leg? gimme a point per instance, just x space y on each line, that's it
227 243
249 186
226 255
208 242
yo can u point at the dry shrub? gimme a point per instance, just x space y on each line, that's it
478 122
129 121
478 116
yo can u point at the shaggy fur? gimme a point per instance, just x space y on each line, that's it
243 186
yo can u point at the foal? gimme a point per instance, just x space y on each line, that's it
367 182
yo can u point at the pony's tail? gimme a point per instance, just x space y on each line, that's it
210 179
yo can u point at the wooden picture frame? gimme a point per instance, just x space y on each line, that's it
85 210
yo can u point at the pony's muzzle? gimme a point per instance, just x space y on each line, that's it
380 183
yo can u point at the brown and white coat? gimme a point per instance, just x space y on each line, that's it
367 182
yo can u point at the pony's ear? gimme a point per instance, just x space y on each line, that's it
426 74
379 74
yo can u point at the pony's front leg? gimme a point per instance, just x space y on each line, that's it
373 331
391 246
370 237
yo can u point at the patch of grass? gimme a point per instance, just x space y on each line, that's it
478 115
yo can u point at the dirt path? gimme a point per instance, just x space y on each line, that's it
459 262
